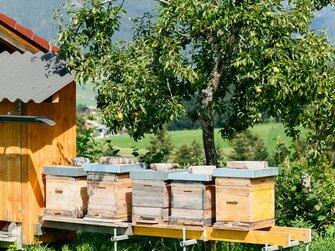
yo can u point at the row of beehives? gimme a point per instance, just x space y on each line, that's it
240 196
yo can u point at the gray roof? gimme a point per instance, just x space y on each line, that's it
31 77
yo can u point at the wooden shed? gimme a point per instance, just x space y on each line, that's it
37 123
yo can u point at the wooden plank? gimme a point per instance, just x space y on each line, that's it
10 170
151 211
140 219
17 41
78 224
192 196
151 193
64 140
297 234
185 221
26 190
13 155
251 236
168 232
107 177
244 226
232 205
244 182
247 164
263 204
40 154
3 162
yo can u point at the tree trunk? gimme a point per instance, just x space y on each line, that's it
208 140
207 114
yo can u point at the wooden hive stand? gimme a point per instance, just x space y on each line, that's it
66 191
245 198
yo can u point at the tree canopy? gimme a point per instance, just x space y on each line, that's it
234 58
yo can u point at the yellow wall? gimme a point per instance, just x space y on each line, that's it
25 149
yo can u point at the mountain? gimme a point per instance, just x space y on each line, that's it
37 15
325 19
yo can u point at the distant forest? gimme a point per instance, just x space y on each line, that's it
37 15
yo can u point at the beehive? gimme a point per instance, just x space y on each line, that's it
245 199
66 191
192 199
109 190
151 200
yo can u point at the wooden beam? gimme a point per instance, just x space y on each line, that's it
17 41
209 233
78 224
297 234
251 236
168 232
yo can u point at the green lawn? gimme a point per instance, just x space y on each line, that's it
269 132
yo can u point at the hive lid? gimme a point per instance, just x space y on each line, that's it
115 168
186 176
152 175
68 171
245 173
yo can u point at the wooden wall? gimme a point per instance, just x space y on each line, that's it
25 149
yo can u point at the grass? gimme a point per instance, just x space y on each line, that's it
102 242
269 132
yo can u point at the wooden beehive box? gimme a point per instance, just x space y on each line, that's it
192 199
110 191
151 198
66 191
245 199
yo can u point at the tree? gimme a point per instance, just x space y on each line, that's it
248 146
235 58
159 149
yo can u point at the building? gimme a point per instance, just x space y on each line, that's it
37 124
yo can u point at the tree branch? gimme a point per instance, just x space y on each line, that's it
164 2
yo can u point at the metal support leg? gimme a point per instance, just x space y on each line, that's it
269 248
117 238
115 242
19 237
273 248
185 242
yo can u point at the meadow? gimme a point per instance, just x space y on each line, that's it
270 132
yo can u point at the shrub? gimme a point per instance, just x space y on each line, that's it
160 148
298 204
189 154
88 146
248 146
